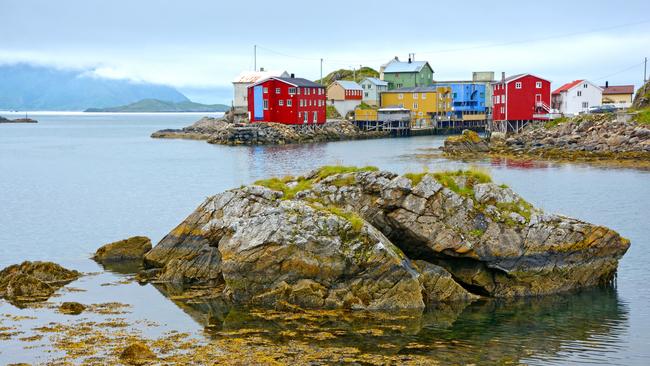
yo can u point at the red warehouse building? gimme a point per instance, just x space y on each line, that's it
523 97
293 101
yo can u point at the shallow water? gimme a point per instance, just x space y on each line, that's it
74 182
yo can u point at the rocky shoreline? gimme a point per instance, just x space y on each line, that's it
584 138
226 132
17 120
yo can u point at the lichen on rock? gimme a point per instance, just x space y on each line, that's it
131 249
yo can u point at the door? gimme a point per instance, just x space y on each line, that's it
305 117
315 117
258 102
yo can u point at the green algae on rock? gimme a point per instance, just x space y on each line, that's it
131 249
382 241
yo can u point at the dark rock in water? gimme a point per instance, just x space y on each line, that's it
147 275
72 308
17 120
33 281
131 249
467 142
353 238
137 353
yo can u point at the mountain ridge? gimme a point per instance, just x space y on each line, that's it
151 105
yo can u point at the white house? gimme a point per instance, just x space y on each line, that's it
576 97
247 78
344 96
372 88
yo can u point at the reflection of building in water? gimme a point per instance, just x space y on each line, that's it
280 160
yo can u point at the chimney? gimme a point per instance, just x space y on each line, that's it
261 69
409 59
503 76
293 76
606 84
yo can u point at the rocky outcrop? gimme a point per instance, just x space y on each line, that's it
221 131
642 97
33 281
467 142
585 136
137 353
72 308
131 249
364 239
17 120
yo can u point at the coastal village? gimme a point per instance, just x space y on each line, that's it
405 98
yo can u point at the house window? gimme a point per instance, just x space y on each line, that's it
503 99
277 90
365 94
400 96
584 85
503 110
266 90
281 103
415 95
424 95
306 91
415 106
518 85
538 85
266 104
289 103
585 104
315 117
579 93
292 91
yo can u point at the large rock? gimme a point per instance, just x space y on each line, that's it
131 249
467 142
365 239
33 281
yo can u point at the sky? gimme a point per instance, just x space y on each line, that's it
199 46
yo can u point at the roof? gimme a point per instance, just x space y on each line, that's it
518 76
401 66
254 76
416 89
349 85
298 82
376 81
618 89
567 86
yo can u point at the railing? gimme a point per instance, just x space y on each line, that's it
543 105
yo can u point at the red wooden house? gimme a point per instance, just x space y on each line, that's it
293 101
522 97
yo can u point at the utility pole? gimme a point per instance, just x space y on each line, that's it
321 70
645 69
254 57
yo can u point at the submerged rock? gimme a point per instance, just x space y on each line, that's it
364 239
131 249
137 353
33 281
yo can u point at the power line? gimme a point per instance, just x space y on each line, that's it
619 72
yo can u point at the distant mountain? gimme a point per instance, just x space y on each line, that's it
27 87
345 74
155 105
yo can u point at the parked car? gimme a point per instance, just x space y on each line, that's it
607 108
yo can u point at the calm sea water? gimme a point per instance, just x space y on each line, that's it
74 182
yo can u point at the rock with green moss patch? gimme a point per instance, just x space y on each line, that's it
137 353
467 142
33 281
131 249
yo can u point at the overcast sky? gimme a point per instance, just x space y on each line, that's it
199 46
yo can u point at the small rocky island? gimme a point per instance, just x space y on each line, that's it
17 120
364 239
234 130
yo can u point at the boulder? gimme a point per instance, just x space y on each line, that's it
468 142
352 238
137 353
33 281
131 249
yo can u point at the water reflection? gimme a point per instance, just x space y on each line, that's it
588 325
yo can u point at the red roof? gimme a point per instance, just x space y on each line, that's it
567 86
618 89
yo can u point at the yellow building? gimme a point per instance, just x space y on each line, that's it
424 102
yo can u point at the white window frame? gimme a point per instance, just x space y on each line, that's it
266 104
538 84
400 96
518 85
415 95
281 102
424 96
415 106
289 103
278 90
315 116
579 93
292 91
266 90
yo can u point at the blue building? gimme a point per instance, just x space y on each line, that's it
468 98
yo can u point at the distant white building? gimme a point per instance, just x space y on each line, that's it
247 78
344 95
372 88
576 97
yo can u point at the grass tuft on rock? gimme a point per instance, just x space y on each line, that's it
642 116
329 170
471 177
280 185
555 122
415 178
